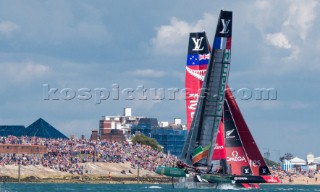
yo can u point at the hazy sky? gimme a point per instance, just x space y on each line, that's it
84 49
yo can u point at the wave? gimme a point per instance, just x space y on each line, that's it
154 187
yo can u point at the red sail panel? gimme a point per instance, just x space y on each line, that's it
256 161
237 161
197 62
219 148
193 87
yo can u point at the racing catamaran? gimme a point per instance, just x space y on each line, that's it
220 149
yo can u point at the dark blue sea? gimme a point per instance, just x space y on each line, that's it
13 187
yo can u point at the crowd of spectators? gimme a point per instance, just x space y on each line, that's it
69 155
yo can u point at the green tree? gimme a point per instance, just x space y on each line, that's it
144 140
270 163
287 156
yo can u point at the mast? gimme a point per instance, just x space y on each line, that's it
209 110
219 73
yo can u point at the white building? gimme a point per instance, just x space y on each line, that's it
120 122
297 161
310 158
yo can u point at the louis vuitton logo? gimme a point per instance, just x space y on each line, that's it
225 24
197 44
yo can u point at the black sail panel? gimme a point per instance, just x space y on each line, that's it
204 126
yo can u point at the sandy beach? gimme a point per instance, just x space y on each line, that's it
99 173
297 178
95 173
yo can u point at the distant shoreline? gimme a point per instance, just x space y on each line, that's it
94 173
85 179
90 180
110 173
115 180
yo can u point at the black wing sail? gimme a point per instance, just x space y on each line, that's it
205 124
